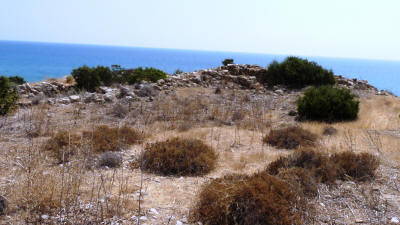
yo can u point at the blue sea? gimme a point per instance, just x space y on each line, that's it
37 61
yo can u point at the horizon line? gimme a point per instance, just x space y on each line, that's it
202 50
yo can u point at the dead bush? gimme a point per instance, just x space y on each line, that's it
179 156
290 138
317 163
300 180
360 167
345 165
106 139
239 199
328 131
120 110
63 145
110 159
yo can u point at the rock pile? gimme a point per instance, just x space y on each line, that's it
232 76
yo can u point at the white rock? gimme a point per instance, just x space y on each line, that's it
154 211
108 97
64 100
45 217
143 218
395 220
74 98
179 223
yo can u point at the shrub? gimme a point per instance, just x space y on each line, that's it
89 78
290 138
179 157
63 145
86 78
329 131
178 71
69 79
299 179
120 110
327 103
317 163
227 62
16 80
106 139
239 199
296 73
105 74
8 96
110 159
360 167
147 74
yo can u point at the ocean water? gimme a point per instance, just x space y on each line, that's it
37 61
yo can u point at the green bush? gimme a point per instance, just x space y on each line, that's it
86 78
16 80
89 78
8 96
227 62
178 71
147 74
326 103
295 72
105 74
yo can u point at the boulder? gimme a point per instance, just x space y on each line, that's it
146 90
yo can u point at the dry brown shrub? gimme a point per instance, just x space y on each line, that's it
110 159
63 145
317 163
239 199
106 139
328 131
69 79
345 165
360 167
179 156
300 180
290 138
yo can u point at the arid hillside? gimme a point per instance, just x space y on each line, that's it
75 157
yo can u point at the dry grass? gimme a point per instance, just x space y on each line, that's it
188 157
290 138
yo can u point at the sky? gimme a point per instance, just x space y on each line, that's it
339 28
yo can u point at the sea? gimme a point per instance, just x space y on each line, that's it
37 61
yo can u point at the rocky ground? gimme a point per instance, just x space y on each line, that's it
226 107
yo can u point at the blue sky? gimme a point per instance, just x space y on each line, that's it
339 28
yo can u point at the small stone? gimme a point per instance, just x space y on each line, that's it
64 100
45 217
279 92
395 220
143 218
74 98
108 97
179 223
154 211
